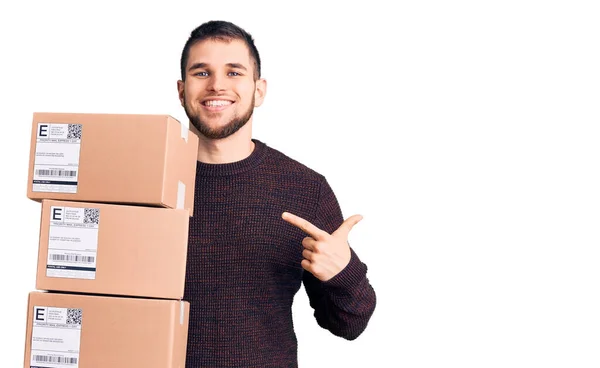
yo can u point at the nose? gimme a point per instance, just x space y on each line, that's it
216 83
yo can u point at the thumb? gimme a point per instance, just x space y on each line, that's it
347 225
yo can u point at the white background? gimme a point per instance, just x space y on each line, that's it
465 132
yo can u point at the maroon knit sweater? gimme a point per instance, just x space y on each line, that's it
243 265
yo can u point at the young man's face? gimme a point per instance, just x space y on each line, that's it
219 93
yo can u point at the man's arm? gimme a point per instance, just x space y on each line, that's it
345 303
334 278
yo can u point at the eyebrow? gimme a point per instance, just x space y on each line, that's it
205 65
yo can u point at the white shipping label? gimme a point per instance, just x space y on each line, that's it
55 337
56 164
73 242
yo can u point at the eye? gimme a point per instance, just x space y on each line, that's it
234 74
201 74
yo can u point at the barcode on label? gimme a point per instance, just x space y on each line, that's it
74 316
54 359
72 258
91 215
74 131
59 173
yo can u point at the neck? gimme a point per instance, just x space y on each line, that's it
236 147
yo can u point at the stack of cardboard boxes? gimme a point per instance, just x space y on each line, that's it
116 194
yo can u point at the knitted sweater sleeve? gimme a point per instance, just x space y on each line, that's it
344 304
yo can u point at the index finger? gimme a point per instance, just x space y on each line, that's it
304 225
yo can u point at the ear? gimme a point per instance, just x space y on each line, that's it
180 91
260 92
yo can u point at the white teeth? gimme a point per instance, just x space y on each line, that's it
217 103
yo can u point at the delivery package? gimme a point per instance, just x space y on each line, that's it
112 158
73 330
99 248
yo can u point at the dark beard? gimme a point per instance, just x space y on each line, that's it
233 126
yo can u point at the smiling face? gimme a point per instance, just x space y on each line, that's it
219 93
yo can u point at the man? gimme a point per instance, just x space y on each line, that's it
263 224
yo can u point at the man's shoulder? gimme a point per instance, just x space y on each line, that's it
290 165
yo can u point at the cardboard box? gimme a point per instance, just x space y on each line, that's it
112 249
100 331
112 158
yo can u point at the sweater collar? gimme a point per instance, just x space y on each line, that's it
231 168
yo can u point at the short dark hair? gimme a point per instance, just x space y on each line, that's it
220 30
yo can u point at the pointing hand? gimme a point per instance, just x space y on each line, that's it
325 255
